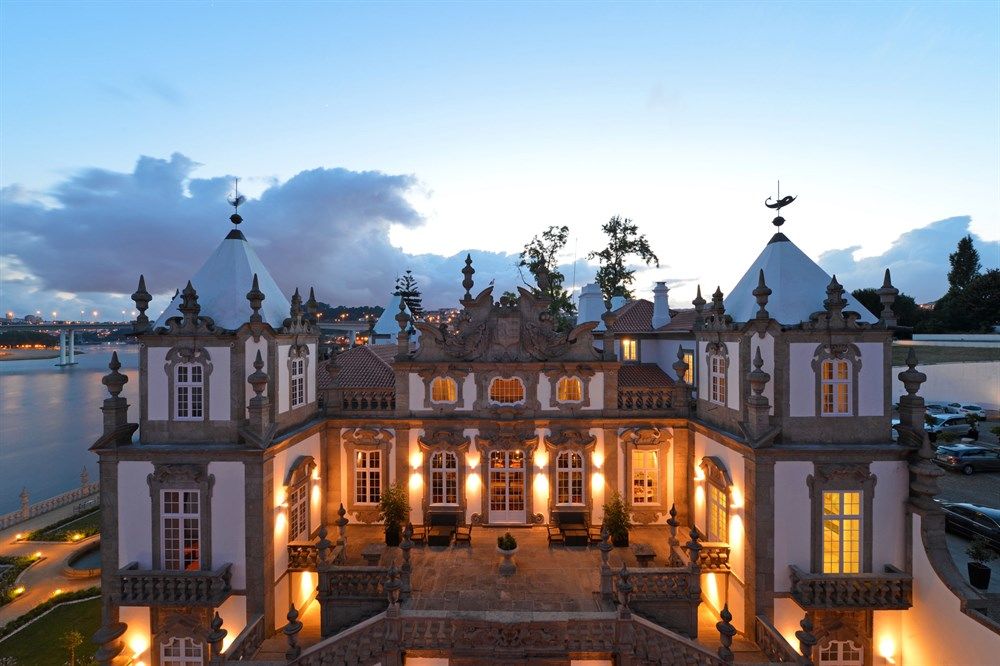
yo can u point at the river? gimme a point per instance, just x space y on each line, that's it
50 416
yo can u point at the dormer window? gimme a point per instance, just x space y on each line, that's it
569 389
836 387
506 391
630 349
189 390
717 372
444 389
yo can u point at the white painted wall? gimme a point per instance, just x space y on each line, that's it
229 519
157 404
313 368
871 388
473 480
892 489
220 384
976 383
282 384
135 514
792 520
598 485
787 615
936 613
704 388
417 485
233 612
801 379
250 350
704 446
417 393
766 345
596 391
733 376
283 461
545 393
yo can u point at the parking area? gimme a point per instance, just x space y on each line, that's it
980 488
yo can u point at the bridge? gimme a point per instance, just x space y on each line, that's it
67 352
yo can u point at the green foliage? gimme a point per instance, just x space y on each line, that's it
972 303
995 430
394 506
907 312
406 286
544 251
16 338
506 542
18 563
72 640
353 313
616 516
964 264
614 277
85 593
981 551
86 524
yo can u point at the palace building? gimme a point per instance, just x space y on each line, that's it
774 518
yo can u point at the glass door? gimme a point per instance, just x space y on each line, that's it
507 487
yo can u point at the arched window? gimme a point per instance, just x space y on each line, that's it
717 372
506 390
569 478
444 478
444 389
718 483
181 652
189 388
569 389
835 381
841 653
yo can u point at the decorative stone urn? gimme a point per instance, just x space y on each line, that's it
507 567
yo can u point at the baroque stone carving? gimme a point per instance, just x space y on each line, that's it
374 436
640 437
504 437
443 439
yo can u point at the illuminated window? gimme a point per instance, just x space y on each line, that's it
506 391
841 653
688 357
180 525
298 512
836 387
444 478
717 370
189 390
569 478
630 349
367 477
645 473
841 532
569 389
298 372
181 652
444 389
718 514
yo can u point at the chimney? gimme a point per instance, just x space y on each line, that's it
591 305
661 305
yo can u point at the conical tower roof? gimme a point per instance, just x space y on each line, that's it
222 284
798 286
386 324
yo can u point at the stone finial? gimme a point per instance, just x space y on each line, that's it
726 632
107 637
806 639
402 319
761 293
887 296
141 297
835 302
114 380
680 366
25 498
216 635
323 546
757 377
84 477
295 311
693 547
258 378
718 307
189 303
467 282
624 587
291 632
699 308
393 586
312 305
407 569
342 525
911 377
256 298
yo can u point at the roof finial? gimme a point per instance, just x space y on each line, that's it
235 201
778 204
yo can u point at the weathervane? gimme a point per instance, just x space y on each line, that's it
778 204
235 201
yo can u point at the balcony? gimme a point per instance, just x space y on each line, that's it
138 587
364 400
713 556
892 590
302 556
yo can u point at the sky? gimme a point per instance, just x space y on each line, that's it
372 138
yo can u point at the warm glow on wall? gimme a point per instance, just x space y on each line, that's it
887 649
735 498
473 483
307 585
280 524
711 590
541 459
416 481
699 473
416 460
735 532
315 474
541 485
472 460
699 496
315 495
597 482
280 497
138 644
598 459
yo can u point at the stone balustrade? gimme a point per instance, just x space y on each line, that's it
364 400
644 399
892 590
664 584
302 556
713 556
773 644
353 582
246 645
28 511
139 587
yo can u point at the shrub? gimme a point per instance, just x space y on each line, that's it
506 542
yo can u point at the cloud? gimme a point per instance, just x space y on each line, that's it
918 260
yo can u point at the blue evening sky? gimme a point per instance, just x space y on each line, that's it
883 117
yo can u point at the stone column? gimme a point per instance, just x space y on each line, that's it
72 347
62 347
759 538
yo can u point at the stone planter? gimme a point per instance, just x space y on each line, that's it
979 575
507 567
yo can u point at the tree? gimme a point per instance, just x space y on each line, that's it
964 264
72 640
977 307
544 251
614 277
406 286
908 313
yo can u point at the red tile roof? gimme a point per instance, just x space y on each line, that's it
643 375
636 317
367 366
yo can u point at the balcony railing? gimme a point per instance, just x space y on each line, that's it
773 644
364 400
713 556
639 399
302 556
892 590
173 588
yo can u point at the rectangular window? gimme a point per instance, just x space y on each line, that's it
718 514
298 513
630 349
569 478
841 532
836 388
188 392
180 525
645 473
298 381
181 652
718 374
367 477
688 357
444 478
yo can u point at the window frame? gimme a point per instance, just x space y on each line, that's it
168 477
842 517
645 470
566 380
443 472
185 660
571 474
634 345
690 357
845 477
718 390
835 383
368 469
447 381
717 478
837 352
517 403
298 354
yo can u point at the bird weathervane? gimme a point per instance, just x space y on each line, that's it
779 203
236 201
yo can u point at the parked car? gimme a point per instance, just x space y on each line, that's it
937 408
972 520
956 424
972 410
968 458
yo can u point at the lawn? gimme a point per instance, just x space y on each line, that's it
932 354
64 530
41 642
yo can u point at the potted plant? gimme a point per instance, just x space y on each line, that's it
507 546
616 519
393 509
980 552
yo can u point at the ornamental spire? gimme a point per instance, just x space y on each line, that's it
761 293
779 203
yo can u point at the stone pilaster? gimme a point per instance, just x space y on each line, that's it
759 541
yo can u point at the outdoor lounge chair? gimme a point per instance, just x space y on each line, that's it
463 534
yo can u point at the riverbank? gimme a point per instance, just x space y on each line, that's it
28 354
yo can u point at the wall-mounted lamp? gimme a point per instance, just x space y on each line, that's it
598 459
